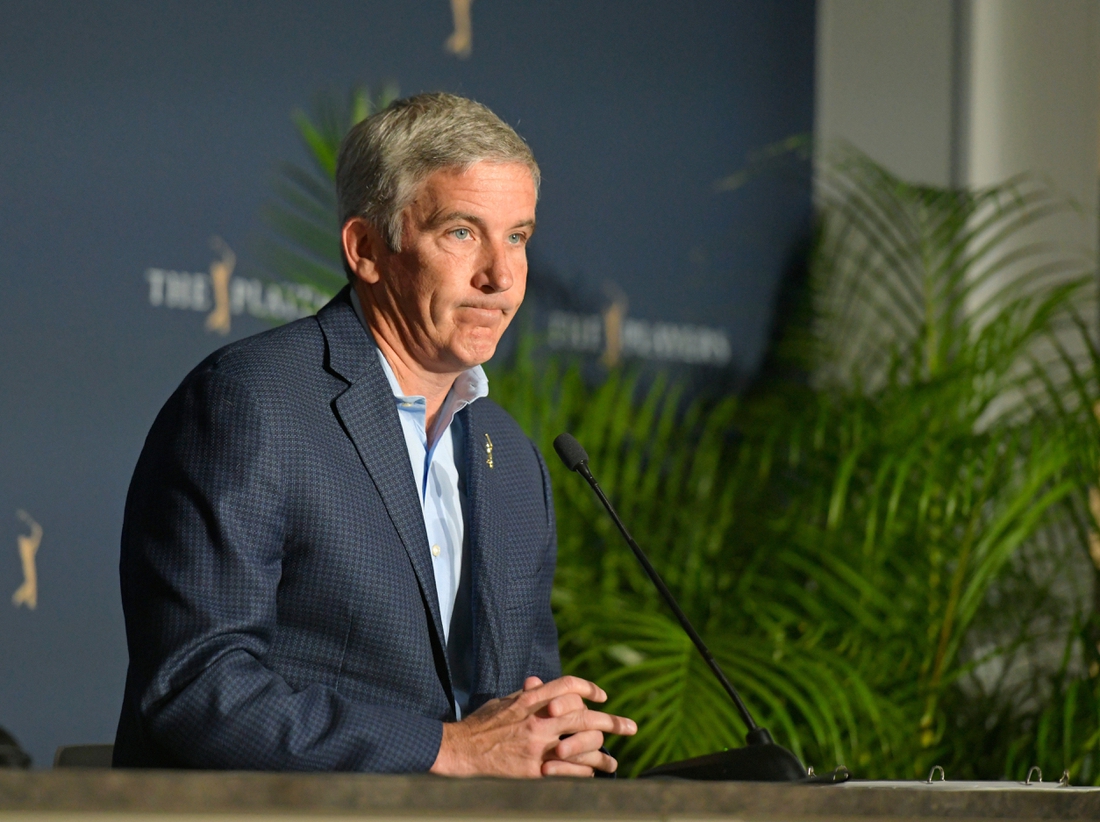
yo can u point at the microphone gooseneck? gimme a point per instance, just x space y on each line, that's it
575 458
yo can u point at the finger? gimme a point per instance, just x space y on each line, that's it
555 767
597 760
588 720
540 696
562 705
531 683
577 745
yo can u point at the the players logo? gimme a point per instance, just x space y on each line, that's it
615 337
221 295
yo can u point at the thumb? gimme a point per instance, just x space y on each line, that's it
531 683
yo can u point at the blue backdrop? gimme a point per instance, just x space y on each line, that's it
134 132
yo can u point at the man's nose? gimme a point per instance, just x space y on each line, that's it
498 269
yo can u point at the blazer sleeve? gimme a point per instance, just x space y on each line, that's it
200 567
545 661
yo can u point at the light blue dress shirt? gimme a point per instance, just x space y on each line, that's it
438 464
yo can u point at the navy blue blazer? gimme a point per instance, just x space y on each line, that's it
281 610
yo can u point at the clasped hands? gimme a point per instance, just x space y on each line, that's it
544 730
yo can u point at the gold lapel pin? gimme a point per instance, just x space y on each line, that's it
488 451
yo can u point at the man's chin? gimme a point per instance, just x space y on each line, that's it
476 344
474 352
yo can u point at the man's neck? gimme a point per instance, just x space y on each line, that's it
414 379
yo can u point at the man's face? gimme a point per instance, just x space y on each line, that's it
462 271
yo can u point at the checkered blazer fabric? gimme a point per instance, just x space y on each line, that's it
281 610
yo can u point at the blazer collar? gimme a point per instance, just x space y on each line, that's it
370 418
349 348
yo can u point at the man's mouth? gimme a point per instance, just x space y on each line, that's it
483 314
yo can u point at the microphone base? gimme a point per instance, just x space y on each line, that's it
766 762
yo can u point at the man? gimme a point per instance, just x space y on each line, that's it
337 552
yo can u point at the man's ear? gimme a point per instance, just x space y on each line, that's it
362 248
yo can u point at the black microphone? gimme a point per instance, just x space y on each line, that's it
762 759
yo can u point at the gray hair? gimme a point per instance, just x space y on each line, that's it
384 159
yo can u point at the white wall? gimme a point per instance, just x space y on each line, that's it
885 82
1034 97
966 91
971 93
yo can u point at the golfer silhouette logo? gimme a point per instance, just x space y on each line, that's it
220 273
27 593
461 42
613 318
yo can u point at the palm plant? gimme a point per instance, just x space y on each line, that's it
842 545
883 507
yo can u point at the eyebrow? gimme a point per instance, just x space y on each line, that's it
440 218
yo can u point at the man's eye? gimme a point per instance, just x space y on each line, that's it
461 233
516 239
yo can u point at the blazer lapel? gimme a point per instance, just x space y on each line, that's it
368 414
486 540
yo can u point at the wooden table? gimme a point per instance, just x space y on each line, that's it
69 795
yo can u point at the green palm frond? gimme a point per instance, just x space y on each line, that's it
305 239
910 278
812 700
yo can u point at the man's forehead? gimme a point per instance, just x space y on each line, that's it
483 171
494 186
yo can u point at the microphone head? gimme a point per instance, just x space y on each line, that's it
570 451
